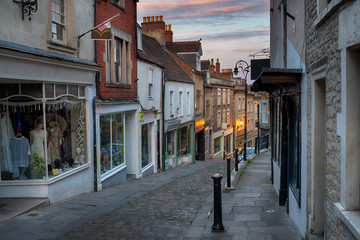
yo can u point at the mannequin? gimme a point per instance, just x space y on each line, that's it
37 139
55 138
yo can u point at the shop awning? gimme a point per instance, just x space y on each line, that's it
172 124
272 79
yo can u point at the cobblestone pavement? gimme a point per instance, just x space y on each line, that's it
160 206
249 212
164 213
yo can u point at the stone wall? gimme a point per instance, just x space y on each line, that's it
322 52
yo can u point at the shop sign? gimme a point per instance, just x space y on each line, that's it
199 125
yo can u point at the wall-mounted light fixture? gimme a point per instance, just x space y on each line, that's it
27 7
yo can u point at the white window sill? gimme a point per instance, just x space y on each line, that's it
327 11
112 172
144 169
351 219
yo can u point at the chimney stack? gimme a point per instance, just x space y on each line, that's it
212 66
217 66
153 26
168 34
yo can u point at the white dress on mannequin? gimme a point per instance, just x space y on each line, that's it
37 145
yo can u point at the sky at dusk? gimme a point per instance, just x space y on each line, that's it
230 29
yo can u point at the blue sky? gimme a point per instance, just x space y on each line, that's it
230 29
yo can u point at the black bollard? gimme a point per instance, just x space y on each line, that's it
228 172
217 226
236 160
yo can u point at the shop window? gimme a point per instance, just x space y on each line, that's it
112 141
145 144
183 143
54 132
60 90
294 144
217 147
170 151
57 19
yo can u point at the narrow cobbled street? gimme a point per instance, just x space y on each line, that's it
176 204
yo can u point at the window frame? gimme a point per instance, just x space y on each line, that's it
57 23
150 83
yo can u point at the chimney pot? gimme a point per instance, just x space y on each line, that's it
217 67
152 18
148 19
161 18
165 27
144 19
156 18
169 27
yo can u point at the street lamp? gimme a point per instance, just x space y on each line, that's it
244 67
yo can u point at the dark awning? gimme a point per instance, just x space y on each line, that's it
272 79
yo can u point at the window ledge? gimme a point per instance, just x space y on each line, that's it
113 171
60 46
118 85
327 11
351 219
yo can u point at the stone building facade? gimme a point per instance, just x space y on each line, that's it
333 63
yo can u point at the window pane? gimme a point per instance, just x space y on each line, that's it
60 90
73 90
105 148
82 91
145 144
34 90
66 129
49 90
117 140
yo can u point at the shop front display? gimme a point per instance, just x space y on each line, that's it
217 145
112 141
43 130
145 144
183 143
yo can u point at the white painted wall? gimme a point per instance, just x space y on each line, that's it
177 87
299 214
142 83
35 33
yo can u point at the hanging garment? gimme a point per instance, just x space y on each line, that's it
20 151
5 157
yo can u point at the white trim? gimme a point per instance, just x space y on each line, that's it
147 167
113 171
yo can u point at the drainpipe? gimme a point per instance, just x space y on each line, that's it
163 121
97 77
